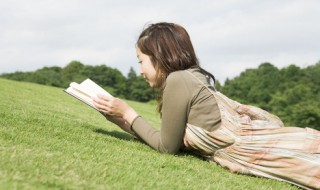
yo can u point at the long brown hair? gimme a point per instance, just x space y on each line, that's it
169 48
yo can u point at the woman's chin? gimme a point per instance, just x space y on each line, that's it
151 84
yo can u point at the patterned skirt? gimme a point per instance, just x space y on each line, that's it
255 142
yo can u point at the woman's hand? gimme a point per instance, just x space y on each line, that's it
114 107
110 105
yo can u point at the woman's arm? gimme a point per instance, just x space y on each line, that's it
169 138
176 99
116 111
123 124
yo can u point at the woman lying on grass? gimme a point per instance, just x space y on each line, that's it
242 138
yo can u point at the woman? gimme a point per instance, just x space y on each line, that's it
195 117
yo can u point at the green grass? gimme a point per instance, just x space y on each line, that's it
49 140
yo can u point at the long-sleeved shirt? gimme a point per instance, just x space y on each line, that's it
185 100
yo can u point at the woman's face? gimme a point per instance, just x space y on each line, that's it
147 69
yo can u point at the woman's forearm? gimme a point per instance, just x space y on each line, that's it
122 123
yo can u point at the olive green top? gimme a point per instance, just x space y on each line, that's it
185 100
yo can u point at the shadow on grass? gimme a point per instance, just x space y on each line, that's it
116 134
125 136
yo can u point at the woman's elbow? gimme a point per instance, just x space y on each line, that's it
168 149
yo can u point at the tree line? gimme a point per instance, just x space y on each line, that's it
292 93
132 87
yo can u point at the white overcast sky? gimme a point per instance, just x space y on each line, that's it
229 36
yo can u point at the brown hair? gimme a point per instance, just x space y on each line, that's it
169 48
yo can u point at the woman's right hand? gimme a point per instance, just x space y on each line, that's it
114 107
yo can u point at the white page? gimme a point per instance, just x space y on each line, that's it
92 88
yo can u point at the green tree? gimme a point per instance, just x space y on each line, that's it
48 76
131 79
254 86
141 91
137 88
217 85
291 93
72 73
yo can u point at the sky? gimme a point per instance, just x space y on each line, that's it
228 36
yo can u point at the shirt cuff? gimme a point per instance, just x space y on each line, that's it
133 122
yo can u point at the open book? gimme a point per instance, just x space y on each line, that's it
85 90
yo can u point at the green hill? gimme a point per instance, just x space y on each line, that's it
49 140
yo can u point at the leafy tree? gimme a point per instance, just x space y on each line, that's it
140 90
48 76
217 85
131 79
132 74
72 73
312 75
254 86
291 93
137 88
19 76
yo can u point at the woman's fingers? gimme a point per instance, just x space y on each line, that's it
110 105
105 109
104 103
99 100
103 97
97 104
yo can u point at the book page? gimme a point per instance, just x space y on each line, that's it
85 91
93 89
80 95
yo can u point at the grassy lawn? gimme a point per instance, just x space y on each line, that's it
49 140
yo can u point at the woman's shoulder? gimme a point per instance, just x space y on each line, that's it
181 75
188 76
180 80
177 75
